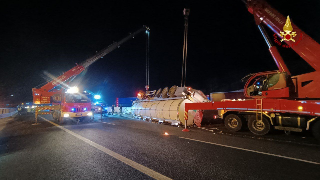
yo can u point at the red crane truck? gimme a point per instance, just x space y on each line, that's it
62 104
275 99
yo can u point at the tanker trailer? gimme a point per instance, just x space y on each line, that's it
168 105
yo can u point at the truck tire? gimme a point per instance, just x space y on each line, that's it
60 120
259 128
55 115
233 122
316 130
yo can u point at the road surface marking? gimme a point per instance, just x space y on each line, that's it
115 155
249 150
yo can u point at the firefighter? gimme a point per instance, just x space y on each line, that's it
112 109
19 110
120 110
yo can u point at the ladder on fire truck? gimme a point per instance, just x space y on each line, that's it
43 94
259 110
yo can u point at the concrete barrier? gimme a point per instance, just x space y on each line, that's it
7 112
125 110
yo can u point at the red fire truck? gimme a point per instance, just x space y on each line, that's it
275 99
52 97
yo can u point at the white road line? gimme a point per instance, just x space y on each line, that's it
115 155
249 150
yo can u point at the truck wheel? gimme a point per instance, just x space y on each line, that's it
60 120
55 116
261 127
316 129
233 122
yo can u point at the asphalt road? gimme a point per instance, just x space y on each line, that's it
122 148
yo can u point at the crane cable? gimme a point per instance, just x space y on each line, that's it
147 60
185 54
186 13
183 62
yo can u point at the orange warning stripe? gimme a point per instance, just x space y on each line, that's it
44 113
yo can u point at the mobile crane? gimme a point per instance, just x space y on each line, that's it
275 99
62 104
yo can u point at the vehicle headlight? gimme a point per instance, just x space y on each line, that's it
89 114
66 115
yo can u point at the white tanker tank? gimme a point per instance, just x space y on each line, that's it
164 106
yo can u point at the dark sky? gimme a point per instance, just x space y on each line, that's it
224 43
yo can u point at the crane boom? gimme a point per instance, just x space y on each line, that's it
307 48
42 95
111 47
303 86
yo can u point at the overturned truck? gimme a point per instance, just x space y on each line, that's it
167 105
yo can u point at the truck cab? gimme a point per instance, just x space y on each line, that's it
271 84
76 105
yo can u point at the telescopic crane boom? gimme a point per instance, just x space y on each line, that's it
304 86
42 95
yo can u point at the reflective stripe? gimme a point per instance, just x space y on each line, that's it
280 123
185 115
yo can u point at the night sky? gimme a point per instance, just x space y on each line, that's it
224 44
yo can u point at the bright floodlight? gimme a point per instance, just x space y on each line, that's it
97 96
73 90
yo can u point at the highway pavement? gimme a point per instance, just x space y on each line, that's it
123 148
